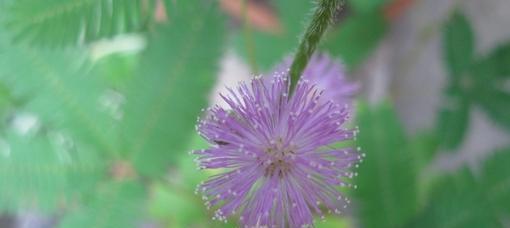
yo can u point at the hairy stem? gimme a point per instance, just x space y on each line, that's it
321 18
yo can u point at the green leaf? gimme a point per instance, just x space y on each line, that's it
333 221
457 202
424 147
386 193
489 77
176 74
453 118
365 6
458 44
496 65
356 37
270 49
62 22
496 103
5 104
174 204
495 180
62 89
114 204
38 173
117 70
178 209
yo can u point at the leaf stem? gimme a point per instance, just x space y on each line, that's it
249 43
322 17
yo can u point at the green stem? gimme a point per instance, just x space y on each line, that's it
321 18
249 44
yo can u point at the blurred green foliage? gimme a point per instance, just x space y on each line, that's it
108 130
472 80
44 22
386 193
463 200
357 36
366 5
172 85
277 45
109 135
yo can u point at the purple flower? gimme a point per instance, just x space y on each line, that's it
276 155
328 75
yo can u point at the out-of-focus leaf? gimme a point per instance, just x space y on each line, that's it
457 202
5 96
424 147
178 208
174 202
61 22
187 173
38 173
117 69
271 48
176 74
453 118
386 193
365 6
495 65
458 44
62 89
113 204
496 103
356 37
495 180
333 221
5 104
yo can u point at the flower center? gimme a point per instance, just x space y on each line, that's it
279 157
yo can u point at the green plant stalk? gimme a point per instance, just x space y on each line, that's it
248 38
322 17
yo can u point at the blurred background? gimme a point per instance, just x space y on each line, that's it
99 100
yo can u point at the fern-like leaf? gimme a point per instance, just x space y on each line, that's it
39 173
62 89
172 85
59 22
114 204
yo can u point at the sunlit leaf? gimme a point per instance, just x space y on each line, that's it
117 70
178 208
333 221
